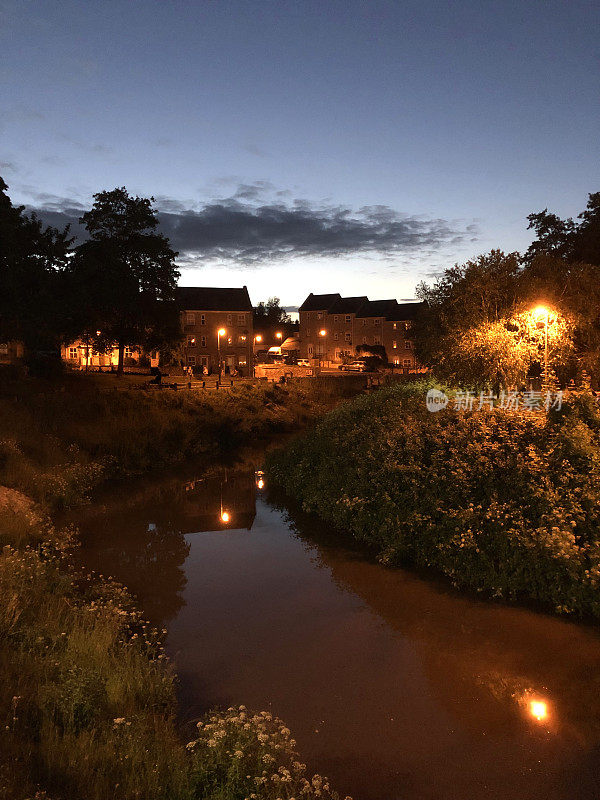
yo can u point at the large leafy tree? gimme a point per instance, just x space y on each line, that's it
124 276
566 239
477 329
33 266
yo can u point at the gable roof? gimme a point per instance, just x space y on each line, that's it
348 305
405 311
319 302
211 298
377 308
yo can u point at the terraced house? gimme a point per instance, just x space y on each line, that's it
217 326
332 327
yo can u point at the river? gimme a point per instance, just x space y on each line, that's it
394 685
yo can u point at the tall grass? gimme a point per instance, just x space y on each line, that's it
58 441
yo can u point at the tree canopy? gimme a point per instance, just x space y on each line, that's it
33 264
124 276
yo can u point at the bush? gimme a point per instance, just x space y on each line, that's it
505 503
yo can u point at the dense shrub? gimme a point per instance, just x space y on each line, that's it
504 502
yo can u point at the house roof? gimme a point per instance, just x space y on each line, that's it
211 298
405 311
377 308
319 302
348 305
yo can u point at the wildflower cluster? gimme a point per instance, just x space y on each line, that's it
239 754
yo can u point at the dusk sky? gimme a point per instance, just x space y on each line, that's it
307 146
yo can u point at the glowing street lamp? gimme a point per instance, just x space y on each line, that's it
225 516
279 335
220 332
538 709
543 313
323 334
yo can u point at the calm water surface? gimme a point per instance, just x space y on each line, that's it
394 686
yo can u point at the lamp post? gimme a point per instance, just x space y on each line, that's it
220 332
257 339
544 313
323 334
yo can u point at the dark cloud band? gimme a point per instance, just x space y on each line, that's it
246 231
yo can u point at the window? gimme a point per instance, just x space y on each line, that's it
396 361
336 336
408 344
72 351
364 339
348 318
202 319
230 319
406 362
394 345
336 318
395 326
407 326
191 341
348 336
242 338
203 341
191 361
377 340
310 350
241 319
190 318
364 323
128 352
319 315
377 321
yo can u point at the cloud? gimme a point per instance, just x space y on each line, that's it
255 226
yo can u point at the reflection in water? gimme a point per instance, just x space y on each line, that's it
394 686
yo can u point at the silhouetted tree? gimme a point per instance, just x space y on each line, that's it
124 277
565 239
33 262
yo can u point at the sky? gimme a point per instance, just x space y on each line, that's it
324 146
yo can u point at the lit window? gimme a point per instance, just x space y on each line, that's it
191 341
72 351
394 345
395 326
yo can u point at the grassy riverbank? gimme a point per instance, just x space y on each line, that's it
59 440
87 696
504 503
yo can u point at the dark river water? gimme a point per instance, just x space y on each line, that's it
393 685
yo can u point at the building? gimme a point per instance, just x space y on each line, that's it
11 352
332 327
217 327
81 355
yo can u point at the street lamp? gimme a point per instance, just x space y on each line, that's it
220 332
323 334
257 340
543 313
278 335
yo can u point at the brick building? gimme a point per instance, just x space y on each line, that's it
332 327
204 312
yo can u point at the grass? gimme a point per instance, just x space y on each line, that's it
504 503
60 440
87 695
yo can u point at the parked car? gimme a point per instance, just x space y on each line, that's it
354 366
304 362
